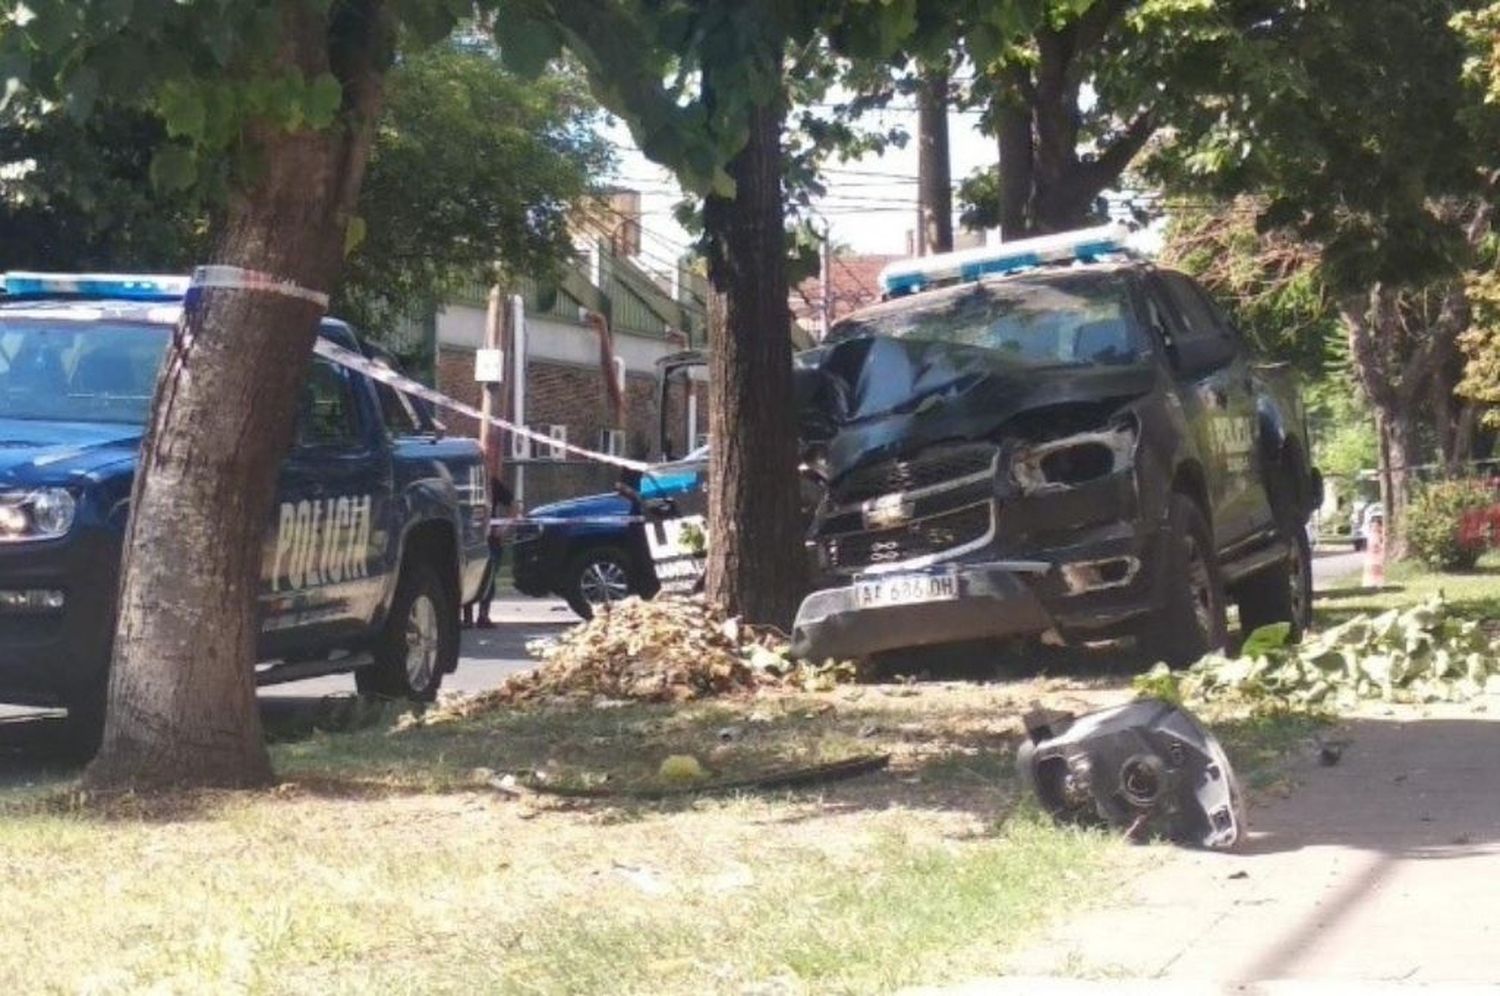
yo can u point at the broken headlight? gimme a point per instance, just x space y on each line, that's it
1077 459
45 513
1148 768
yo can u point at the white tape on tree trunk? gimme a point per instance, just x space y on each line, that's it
221 277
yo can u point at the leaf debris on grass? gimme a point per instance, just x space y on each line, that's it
1419 654
665 650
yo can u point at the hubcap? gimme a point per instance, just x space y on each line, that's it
1201 585
422 637
604 581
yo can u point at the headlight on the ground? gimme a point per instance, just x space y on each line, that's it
45 513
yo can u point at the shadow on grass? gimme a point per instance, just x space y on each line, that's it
952 744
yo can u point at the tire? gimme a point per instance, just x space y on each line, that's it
1359 544
1283 594
1193 620
595 576
83 730
419 643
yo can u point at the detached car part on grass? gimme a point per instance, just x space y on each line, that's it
1147 768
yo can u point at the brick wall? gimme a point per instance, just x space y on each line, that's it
561 394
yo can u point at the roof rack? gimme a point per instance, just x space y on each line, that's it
1087 245
23 285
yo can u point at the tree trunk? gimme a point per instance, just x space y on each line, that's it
755 558
1397 447
182 708
934 168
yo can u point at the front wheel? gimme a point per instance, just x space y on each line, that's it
1193 620
597 577
1282 594
419 643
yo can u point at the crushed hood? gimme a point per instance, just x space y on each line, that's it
36 453
872 398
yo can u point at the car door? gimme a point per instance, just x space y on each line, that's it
323 562
1214 381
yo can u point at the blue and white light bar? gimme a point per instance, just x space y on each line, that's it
1087 245
95 286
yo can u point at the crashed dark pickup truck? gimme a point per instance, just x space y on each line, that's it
1077 452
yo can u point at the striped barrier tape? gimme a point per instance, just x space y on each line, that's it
362 364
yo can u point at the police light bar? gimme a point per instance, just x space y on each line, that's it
101 286
1087 245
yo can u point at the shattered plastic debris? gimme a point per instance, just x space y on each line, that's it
665 650
1147 768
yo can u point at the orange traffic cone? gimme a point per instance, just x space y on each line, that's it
1375 554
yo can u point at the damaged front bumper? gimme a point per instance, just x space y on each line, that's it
946 605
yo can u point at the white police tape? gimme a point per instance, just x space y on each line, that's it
235 278
385 375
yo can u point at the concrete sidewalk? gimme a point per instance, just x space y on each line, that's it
1379 873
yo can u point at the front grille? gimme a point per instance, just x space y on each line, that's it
928 469
931 536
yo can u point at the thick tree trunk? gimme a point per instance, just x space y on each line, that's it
1397 450
755 559
1013 129
182 708
934 168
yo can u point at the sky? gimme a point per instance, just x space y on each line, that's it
871 202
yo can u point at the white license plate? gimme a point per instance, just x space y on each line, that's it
905 589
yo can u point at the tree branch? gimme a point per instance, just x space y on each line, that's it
1107 166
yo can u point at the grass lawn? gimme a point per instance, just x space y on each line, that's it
386 863
1473 594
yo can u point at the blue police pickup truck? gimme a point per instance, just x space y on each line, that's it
377 536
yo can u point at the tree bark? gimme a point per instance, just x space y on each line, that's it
182 708
755 558
934 167
1013 129
1397 448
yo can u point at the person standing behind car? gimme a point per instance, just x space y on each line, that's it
501 504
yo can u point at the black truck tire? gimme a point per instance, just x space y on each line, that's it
596 575
1283 593
83 730
419 643
1193 620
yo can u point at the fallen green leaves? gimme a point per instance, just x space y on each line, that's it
1420 654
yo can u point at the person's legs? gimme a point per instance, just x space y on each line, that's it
487 588
486 592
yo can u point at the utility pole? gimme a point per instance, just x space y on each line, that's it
489 370
934 168
518 411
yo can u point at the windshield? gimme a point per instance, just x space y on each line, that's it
1059 321
75 372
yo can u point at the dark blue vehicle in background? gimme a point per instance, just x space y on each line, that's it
594 550
377 537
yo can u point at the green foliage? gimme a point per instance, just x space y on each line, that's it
1343 430
1272 285
686 77
1343 118
1447 526
472 167
211 72
1419 654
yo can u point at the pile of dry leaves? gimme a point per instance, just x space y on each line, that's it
666 650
